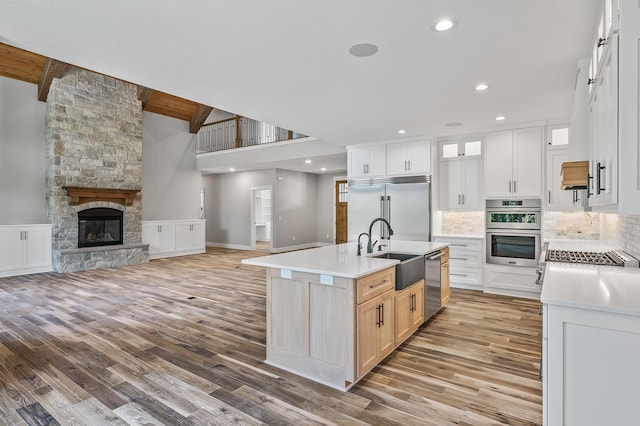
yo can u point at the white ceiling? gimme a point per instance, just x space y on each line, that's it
286 62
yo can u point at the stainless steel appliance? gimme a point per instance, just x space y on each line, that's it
404 201
433 281
607 258
513 230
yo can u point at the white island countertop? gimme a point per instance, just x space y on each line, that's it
340 260
601 288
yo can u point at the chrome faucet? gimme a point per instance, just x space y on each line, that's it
370 246
360 245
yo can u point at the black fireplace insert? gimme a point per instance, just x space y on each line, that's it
99 227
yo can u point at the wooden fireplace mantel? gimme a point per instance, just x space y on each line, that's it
80 195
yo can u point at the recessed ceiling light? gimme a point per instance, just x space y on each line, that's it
232 169
500 118
323 169
362 50
443 25
307 161
402 132
482 86
454 124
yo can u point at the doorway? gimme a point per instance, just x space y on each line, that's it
342 213
261 217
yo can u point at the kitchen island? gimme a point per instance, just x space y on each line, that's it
591 341
332 315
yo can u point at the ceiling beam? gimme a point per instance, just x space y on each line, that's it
144 93
51 69
199 117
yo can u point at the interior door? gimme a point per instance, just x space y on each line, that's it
341 212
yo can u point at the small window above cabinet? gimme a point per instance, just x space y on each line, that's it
456 149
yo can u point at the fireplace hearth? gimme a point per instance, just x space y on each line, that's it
99 227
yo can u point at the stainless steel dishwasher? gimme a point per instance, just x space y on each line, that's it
432 279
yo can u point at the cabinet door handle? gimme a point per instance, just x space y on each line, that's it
409 165
589 180
463 203
599 187
509 187
381 315
378 313
458 199
514 187
383 282
549 197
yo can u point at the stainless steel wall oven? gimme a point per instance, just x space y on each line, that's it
514 231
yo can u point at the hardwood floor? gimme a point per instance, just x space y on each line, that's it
181 341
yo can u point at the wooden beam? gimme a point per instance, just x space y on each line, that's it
144 93
199 117
52 69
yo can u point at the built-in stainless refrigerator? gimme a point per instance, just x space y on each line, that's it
405 202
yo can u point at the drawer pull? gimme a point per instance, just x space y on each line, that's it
459 258
379 284
458 275
459 245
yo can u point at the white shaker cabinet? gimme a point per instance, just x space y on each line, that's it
409 158
514 163
174 237
25 249
366 161
461 184
614 109
558 199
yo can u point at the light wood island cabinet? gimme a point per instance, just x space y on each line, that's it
409 311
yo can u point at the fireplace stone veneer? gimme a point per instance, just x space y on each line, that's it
94 140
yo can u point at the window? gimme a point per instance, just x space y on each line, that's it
456 149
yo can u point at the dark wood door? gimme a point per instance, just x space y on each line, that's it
341 211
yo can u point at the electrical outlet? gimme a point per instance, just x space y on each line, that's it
327 237
294 238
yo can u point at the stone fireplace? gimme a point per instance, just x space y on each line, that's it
94 167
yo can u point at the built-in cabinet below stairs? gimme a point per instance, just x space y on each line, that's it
169 238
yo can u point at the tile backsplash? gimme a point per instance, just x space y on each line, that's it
621 232
571 225
471 222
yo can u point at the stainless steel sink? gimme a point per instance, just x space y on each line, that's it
409 270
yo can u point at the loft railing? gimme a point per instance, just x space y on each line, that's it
239 132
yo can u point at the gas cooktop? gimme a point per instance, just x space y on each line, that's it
612 258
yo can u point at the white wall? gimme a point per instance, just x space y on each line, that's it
294 209
228 206
22 154
171 182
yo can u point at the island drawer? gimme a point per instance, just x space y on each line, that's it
375 284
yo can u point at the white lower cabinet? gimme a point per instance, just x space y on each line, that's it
174 238
25 249
590 367
517 281
465 261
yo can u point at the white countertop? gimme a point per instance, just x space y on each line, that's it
602 288
340 260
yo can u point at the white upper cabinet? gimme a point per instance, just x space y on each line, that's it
461 175
367 161
514 163
409 158
614 109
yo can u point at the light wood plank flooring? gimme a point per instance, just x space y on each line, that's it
181 341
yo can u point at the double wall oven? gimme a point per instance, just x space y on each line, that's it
514 231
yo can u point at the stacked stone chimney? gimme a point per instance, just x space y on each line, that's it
94 140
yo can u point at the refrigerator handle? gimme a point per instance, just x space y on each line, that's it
382 206
388 217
